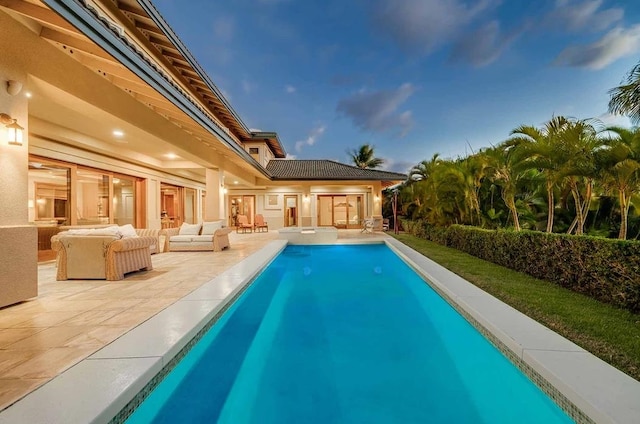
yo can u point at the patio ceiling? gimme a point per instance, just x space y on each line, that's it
50 105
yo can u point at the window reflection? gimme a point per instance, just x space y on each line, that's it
48 193
92 198
124 200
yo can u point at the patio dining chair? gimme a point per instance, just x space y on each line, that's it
260 223
243 224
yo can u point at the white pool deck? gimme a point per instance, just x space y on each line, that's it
98 387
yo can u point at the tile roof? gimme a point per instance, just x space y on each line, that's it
297 169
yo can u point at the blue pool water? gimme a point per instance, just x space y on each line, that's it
344 334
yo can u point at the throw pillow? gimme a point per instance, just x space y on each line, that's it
189 229
208 228
127 231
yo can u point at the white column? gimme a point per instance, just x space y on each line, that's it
307 207
215 204
18 250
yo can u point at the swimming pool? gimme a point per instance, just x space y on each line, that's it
344 334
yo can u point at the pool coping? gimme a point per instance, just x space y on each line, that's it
98 388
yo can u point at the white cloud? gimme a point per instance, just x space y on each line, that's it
312 138
586 15
609 120
290 89
424 25
483 46
290 156
617 43
377 111
402 166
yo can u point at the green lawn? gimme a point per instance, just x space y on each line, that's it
610 333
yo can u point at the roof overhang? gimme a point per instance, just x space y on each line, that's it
272 140
130 45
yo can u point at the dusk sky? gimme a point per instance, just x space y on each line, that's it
410 77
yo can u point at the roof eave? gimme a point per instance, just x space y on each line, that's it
157 18
273 140
98 32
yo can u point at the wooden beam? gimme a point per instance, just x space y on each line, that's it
160 42
41 15
74 43
110 67
132 9
147 27
138 87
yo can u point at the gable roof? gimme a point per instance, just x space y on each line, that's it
317 169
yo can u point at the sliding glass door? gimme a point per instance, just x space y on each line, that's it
340 211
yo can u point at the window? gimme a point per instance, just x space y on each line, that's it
255 153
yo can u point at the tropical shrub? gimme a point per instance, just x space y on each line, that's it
605 269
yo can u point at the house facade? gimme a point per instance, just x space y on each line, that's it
120 125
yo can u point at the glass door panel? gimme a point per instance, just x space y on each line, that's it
354 211
171 203
340 209
189 206
290 211
241 205
124 200
92 197
325 210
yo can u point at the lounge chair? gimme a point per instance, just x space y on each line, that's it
260 223
243 224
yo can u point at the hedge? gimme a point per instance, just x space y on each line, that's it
605 269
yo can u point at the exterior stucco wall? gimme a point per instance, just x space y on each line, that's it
18 254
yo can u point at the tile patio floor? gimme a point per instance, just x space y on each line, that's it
70 320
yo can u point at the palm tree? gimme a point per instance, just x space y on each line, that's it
424 169
625 99
364 157
620 161
576 147
539 148
504 170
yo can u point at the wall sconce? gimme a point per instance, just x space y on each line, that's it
14 131
376 198
305 198
224 190
14 87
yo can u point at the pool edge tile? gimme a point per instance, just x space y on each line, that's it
97 388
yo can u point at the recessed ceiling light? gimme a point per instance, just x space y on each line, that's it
171 155
28 95
118 133
235 182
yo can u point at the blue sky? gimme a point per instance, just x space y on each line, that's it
410 77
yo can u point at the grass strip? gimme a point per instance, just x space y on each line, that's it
610 333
